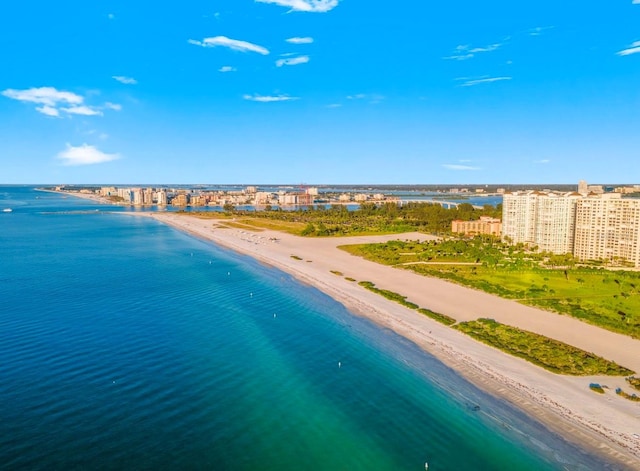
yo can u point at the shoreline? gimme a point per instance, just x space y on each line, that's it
608 426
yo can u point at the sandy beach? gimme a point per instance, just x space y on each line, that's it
607 424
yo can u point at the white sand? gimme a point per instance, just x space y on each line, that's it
606 423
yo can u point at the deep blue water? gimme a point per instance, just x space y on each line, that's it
125 344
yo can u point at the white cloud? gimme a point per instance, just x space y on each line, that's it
48 110
226 68
633 49
82 110
374 98
111 16
314 6
113 106
464 51
334 105
236 45
543 161
471 82
298 40
459 167
48 96
539 30
269 98
84 155
636 2
125 80
292 61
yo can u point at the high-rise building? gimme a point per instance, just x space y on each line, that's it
583 188
138 196
589 225
543 219
147 196
161 197
608 228
519 212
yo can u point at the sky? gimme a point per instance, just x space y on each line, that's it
320 91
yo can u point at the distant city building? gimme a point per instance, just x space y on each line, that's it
583 188
312 191
181 199
148 197
344 198
138 196
108 191
485 225
597 189
161 197
251 190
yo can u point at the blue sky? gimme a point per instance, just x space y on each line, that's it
320 91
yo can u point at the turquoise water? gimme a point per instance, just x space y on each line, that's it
125 344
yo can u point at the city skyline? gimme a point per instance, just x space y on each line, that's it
320 91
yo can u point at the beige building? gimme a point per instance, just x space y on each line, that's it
607 227
485 225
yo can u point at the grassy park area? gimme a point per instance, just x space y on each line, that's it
609 299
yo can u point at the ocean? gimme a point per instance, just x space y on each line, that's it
125 344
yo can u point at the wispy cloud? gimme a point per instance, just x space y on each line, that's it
226 68
314 6
52 102
235 44
334 105
633 49
459 167
111 16
269 98
48 96
125 80
537 31
373 98
292 61
464 51
468 82
84 155
636 2
82 110
543 161
299 40
48 110
113 106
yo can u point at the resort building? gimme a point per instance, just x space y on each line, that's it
519 211
589 225
540 218
485 225
607 227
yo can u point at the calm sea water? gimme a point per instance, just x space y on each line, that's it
125 344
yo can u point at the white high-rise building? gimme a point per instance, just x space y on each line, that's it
608 228
543 219
519 212
161 197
